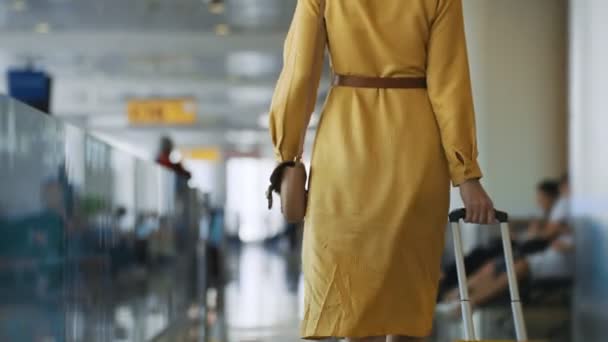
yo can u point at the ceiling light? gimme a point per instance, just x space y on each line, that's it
216 7
222 30
252 64
251 95
259 14
19 5
42 28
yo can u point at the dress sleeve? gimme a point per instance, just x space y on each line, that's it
449 87
296 91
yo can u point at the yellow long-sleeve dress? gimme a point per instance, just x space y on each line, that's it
382 159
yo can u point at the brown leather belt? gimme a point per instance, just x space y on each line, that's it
379 82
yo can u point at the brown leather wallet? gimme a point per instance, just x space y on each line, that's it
379 82
289 180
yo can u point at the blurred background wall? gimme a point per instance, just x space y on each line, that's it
518 52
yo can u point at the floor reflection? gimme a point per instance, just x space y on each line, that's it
138 308
262 293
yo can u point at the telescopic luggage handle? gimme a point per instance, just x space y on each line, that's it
467 315
460 214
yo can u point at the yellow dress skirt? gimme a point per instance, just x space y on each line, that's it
382 159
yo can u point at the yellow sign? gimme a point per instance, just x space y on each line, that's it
162 112
209 154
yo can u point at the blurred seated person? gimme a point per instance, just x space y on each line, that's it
145 227
162 242
538 236
553 262
41 234
163 158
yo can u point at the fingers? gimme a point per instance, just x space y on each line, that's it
483 219
479 206
477 213
491 215
481 213
486 213
488 210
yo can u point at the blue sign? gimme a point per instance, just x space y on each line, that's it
30 87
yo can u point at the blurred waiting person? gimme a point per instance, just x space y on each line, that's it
162 245
554 262
164 158
538 236
145 227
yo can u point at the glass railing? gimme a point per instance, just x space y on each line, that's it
95 244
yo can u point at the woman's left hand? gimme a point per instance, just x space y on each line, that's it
477 203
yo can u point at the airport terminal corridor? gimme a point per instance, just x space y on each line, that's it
141 141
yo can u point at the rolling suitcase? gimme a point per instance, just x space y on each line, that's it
467 316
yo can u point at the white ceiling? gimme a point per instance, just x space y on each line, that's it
102 53
143 15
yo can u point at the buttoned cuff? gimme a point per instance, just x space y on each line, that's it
281 157
462 168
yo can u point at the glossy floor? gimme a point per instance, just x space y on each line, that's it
263 301
262 297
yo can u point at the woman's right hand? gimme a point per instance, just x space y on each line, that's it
477 203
